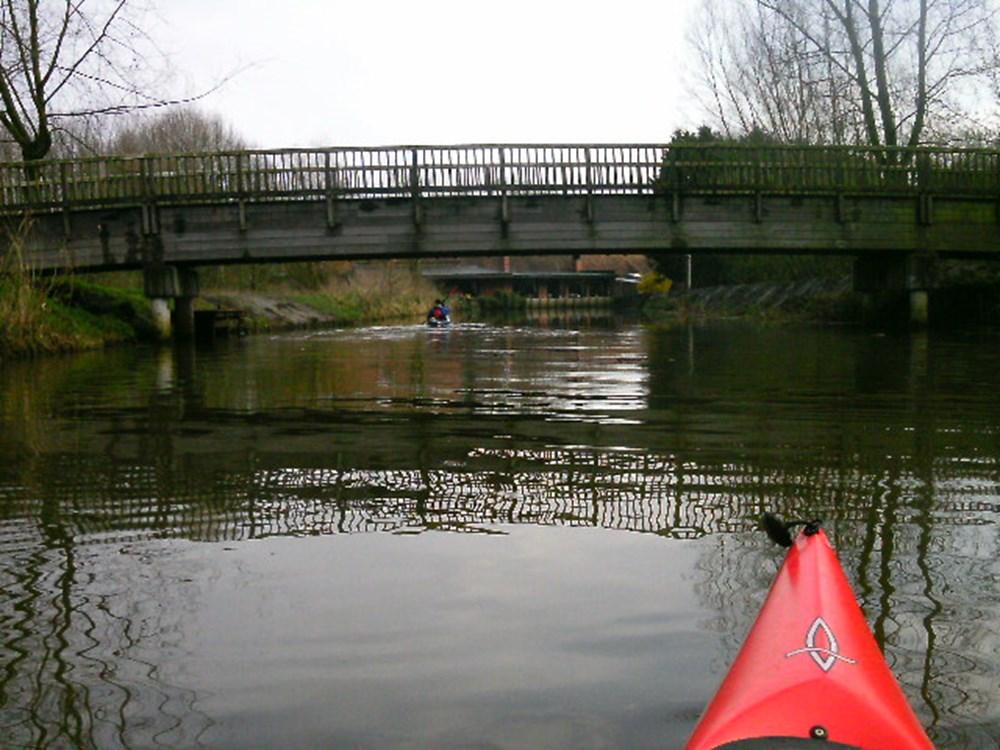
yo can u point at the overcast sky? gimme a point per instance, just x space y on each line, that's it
371 72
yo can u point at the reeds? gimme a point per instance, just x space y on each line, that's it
23 306
371 294
37 313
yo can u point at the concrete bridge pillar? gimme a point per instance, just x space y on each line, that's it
895 276
161 316
163 283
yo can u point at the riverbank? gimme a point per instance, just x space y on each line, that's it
956 302
823 299
76 314
43 315
54 316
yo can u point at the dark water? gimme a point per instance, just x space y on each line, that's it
483 537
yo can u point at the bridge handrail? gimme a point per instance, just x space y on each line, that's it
369 172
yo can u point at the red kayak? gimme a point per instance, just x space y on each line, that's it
809 670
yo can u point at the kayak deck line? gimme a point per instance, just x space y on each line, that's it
809 669
783 743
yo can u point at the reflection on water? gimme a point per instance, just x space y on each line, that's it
150 501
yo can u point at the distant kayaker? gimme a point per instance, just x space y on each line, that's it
440 311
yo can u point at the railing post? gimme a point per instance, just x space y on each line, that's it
839 180
149 215
925 204
504 204
241 191
64 190
331 203
590 189
675 186
418 214
758 208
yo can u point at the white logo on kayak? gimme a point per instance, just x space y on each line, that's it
825 657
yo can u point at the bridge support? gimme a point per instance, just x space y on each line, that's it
887 279
161 316
163 283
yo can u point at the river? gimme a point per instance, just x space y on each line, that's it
536 536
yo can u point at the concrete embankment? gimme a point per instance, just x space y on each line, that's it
953 303
810 298
270 311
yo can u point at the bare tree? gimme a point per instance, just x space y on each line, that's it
175 130
65 61
880 72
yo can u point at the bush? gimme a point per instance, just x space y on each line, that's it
654 283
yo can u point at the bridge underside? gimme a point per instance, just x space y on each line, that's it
283 231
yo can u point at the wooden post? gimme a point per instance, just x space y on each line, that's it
331 203
838 206
241 189
418 214
148 210
64 188
590 190
758 201
504 205
925 204
675 187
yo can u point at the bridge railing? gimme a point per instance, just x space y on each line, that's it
484 170
803 170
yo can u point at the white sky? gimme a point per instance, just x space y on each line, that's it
384 72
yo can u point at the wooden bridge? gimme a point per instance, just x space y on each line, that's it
176 212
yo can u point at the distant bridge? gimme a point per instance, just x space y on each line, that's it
888 206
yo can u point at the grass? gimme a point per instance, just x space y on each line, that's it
371 294
50 314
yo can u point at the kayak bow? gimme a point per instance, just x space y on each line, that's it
809 669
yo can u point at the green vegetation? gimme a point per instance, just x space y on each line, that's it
654 283
369 294
64 314
53 315
49 314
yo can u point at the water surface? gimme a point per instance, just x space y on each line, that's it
486 536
